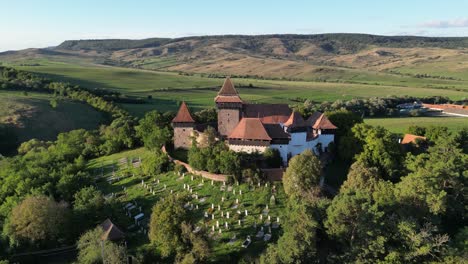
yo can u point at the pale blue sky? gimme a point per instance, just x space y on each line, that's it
42 23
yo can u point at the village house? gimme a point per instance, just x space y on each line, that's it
256 127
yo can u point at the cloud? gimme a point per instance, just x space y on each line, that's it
456 23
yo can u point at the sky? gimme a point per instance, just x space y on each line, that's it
44 23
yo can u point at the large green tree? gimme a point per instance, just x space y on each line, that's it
380 150
164 229
302 175
153 130
37 220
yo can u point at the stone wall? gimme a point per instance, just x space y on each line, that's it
204 174
227 120
182 137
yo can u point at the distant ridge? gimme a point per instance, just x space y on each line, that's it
357 41
320 57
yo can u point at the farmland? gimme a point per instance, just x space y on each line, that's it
166 88
400 125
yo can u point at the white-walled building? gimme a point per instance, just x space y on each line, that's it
256 127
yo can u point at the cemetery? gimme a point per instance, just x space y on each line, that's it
237 218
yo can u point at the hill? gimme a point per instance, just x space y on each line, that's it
31 115
268 68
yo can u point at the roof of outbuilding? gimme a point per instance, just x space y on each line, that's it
183 115
410 138
111 231
250 128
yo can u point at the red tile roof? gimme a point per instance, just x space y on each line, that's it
228 88
251 129
111 231
228 99
228 93
313 118
323 123
409 138
183 115
268 113
295 120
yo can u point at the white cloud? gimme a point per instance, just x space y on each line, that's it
455 23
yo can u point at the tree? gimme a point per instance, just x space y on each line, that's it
88 206
272 158
302 175
435 183
298 242
156 163
153 130
416 130
434 133
37 220
344 120
380 150
92 249
164 229
71 183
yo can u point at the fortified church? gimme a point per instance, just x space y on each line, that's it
256 127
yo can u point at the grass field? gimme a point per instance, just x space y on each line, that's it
400 124
167 88
33 117
253 198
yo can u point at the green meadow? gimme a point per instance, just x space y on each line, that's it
167 88
401 124
33 117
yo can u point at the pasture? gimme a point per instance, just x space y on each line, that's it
32 116
401 124
166 88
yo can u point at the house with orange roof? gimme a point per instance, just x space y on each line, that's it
255 127
410 138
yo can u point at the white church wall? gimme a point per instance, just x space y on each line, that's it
247 149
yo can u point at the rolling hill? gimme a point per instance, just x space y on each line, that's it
268 68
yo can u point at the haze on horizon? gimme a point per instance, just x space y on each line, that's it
39 24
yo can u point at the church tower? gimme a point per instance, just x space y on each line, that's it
229 106
183 125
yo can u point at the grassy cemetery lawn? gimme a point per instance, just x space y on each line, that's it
207 207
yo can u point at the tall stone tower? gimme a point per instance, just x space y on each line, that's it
229 106
183 125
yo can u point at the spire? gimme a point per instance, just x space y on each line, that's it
228 88
183 116
227 93
295 120
323 123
